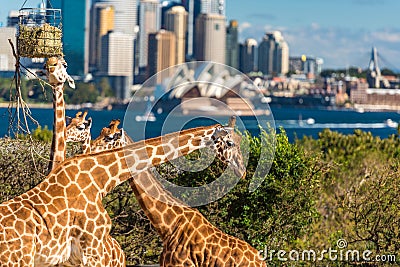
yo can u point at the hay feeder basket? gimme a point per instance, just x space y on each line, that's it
39 33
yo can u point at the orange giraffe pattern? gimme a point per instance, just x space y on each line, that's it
57 75
78 130
62 220
189 239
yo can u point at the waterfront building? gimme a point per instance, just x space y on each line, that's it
232 45
273 54
102 21
210 38
75 25
247 57
176 22
308 65
116 62
149 22
161 52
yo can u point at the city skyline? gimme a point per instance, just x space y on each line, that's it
341 32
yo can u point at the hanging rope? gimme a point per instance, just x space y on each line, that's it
42 3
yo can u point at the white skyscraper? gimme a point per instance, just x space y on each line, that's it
149 22
176 22
213 7
117 61
125 20
273 54
210 38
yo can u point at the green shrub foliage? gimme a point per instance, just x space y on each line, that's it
279 212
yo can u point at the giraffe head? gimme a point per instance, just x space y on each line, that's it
78 128
227 147
56 72
110 137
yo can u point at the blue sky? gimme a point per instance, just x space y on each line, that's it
342 32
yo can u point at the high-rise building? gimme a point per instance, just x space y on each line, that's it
117 61
210 38
75 25
125 19
213 7
273 54
166 5
102 21
149 22
161 52
176 22
248 53
190 8
232 45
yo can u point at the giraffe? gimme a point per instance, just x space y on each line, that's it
78 130
57 75
189 239
111 137
62 221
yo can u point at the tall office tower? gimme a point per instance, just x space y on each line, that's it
101 22
75 23
193 7
149 22
116 62
232 45
210 38
125 20
248 53
161 52
7 60
273 54
212 6
176 22
165 6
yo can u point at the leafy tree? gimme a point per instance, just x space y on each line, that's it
105 87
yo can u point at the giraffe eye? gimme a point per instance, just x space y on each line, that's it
230 143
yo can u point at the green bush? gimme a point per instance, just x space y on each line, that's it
281 209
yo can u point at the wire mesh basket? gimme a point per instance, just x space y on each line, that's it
39 33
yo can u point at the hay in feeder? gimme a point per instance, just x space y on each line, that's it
39 41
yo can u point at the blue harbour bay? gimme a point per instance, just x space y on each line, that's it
297 122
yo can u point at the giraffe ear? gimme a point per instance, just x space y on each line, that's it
68 120
89 123
71 82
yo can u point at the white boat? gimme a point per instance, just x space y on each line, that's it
390 123
147 116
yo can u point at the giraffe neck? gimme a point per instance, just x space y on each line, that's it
164 211
86 145
58 144
108 169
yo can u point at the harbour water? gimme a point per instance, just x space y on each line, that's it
297 122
